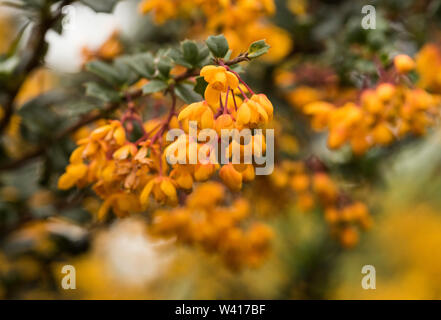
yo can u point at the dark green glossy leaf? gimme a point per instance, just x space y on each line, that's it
186 93
218 45
200 85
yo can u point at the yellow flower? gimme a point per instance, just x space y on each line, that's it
74 173
219 80
320 111
181 174
255 112
382 134
206 195
349 237
199 112
263 101
125 151
246 170
162 9
163 190
224 121
304 95
231 177
325 187
122 204
203 172
403 63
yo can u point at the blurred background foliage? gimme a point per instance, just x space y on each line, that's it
315 44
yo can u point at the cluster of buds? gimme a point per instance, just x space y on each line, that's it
383 115
314 188
203 221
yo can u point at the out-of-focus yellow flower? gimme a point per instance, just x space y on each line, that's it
403 63
162 9
297 7
428 65
303 95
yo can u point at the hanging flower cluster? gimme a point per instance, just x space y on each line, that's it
380 115
219 229
224 109
128 174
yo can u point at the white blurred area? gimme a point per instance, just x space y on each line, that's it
84 27
130 257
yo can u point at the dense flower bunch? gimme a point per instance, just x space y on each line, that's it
103 159
379 116
384 115
242 21
314 188
126 174
223 109
204 221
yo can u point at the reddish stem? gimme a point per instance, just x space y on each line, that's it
234 99
243 93
226 102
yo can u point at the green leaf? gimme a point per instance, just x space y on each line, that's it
200 86
190 51
257 49
100 92
164 66
178 57
218 45
154 86
186 93
80 107
142 63
126 73
106 6
105 71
